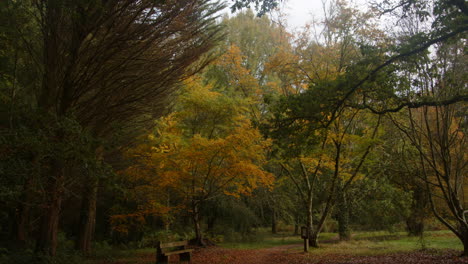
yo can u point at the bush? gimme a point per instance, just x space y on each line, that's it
65 254
28 257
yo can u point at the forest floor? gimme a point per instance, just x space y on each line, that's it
362 249
292 254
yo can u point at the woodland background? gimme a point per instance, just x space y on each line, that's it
123 123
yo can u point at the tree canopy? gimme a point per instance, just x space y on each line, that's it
132 122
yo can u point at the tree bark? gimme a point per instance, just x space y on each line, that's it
87 222
47 240
343 217
310 224
414 225
274 227
196 221
313 239
415 221
87 217
464 233
20 230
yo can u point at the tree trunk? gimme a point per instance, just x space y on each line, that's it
313 239
87 217
87 222
20 230
414 225
310 223
415 221
274 228
343 217
196 221
464 239
47 239
262 213
296 229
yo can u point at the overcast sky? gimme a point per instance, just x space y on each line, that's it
299 12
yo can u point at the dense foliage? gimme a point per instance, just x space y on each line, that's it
129 122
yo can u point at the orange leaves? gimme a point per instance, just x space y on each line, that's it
231 164
241 79
206 148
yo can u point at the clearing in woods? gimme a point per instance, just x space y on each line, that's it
366 248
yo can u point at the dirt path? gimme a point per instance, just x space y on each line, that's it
292 254
244 256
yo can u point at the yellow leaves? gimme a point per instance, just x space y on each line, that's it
231 164
207 147
239 76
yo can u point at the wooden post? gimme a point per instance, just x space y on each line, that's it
305 236
160 257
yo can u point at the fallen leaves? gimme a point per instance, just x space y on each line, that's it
290 254
283 255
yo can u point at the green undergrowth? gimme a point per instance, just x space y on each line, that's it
268 240
376 243
362 243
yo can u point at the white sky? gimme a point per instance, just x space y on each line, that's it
299 12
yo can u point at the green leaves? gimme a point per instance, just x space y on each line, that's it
262 6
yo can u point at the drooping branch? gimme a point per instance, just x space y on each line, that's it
412 105
422 47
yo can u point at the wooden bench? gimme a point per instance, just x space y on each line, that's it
164 250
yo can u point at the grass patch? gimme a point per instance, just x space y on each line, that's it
265 242
264 239
363 243
377 243
268 240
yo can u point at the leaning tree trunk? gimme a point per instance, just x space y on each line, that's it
464 239
87 216
313 240
47 239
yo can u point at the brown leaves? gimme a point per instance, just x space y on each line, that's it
291 254
284 255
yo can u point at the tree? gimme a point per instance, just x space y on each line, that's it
262 6
439 135
401 170
329 170
109 66
214 151
308 117
424 26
